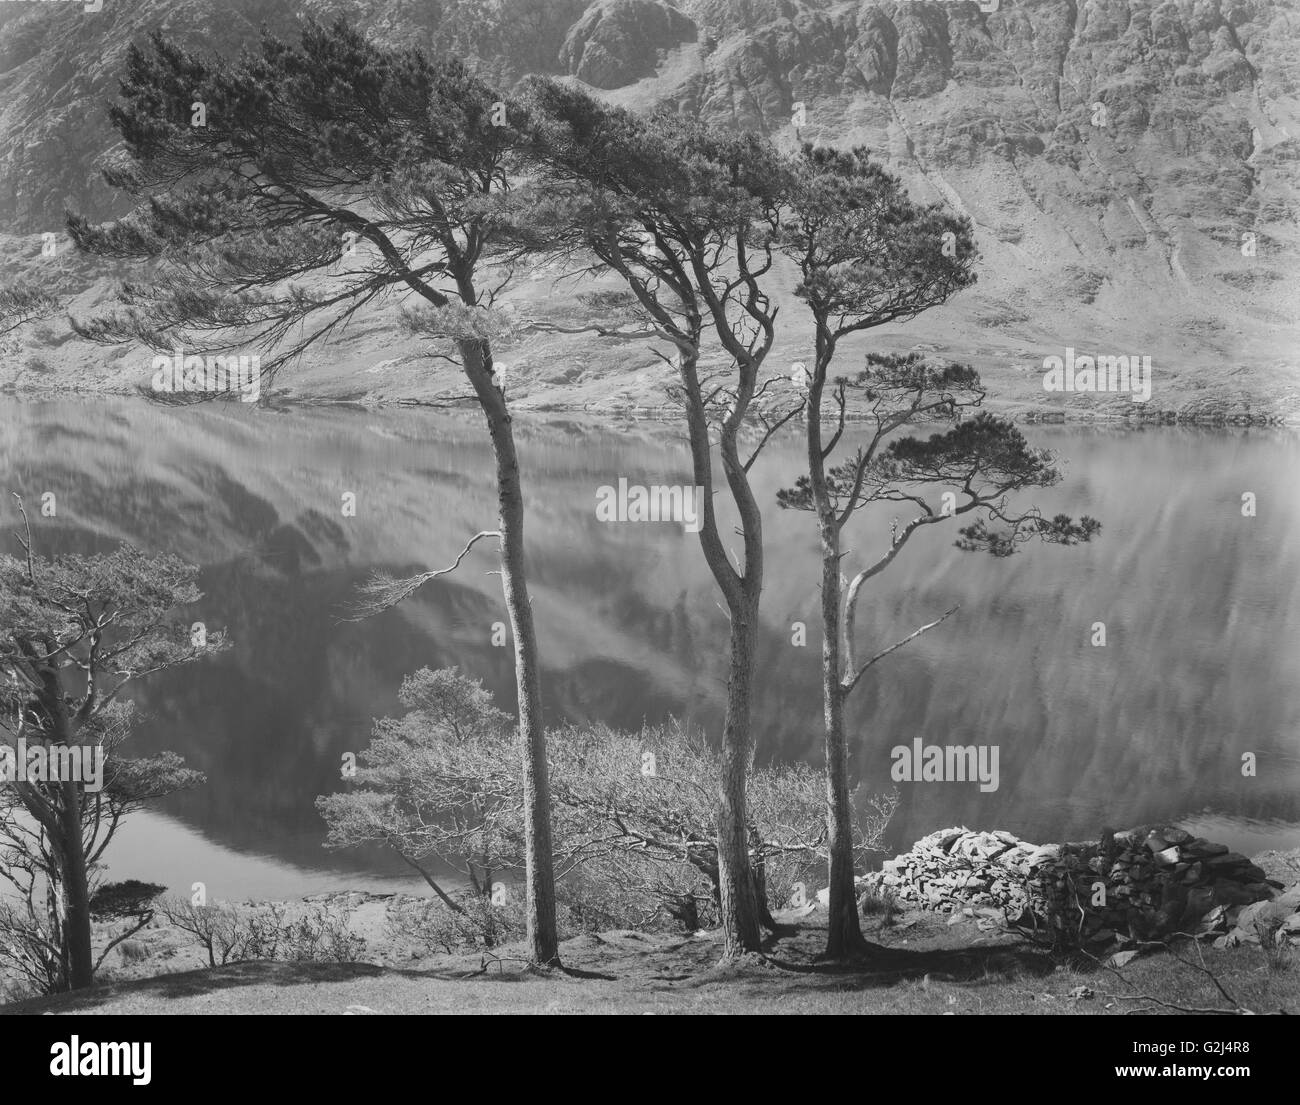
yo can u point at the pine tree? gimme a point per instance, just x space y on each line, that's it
868 255
373 171
687 218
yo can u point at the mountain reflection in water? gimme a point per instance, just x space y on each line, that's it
1199 603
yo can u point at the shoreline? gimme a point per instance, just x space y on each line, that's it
1131 418
161 949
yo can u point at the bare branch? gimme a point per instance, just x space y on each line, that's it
848 684
382 592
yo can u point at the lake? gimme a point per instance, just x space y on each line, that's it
1201 663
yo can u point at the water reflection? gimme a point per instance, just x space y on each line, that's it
1200 666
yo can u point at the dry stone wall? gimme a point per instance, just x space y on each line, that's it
1144 884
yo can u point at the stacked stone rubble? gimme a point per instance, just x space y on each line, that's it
1145 883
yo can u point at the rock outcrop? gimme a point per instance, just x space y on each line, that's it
617 42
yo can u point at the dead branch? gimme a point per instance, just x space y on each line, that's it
381 591
848 684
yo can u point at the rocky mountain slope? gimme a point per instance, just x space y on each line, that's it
1131 166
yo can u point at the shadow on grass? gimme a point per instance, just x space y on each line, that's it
205 980
890 965
794 953
791 955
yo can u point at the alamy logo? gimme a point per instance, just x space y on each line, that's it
47 762
634 503
214 375
78 1057
933 763
1083 373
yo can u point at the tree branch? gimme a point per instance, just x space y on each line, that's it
848 684
382 592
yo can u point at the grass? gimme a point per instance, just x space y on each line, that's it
882 903
927 967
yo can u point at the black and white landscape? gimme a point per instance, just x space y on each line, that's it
735 506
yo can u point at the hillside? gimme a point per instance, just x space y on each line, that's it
1130 166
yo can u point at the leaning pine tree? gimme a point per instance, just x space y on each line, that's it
372 171
868 255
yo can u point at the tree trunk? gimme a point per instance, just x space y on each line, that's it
68 846
76 890
759 868
741 591
543 940
708 865
740 922
844 933
844 936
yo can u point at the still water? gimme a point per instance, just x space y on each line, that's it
1201 663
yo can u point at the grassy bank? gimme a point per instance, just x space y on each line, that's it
929 967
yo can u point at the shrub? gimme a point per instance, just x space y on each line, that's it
882 902
229 933
482 924
633 815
